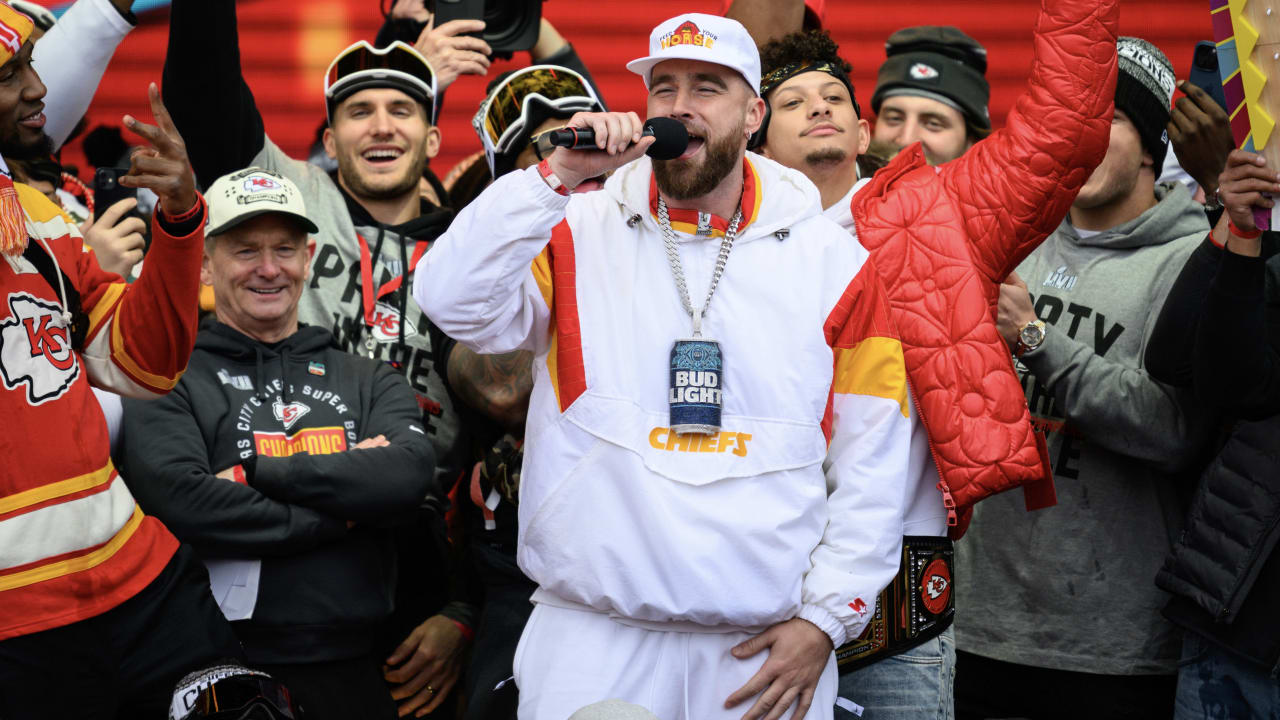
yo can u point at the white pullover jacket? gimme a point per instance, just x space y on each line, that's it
795 508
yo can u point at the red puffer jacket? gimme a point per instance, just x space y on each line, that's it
944 238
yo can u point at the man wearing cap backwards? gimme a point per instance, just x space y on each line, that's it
933 89
921 225
100 609
711 495
373 225
1060 605
283 460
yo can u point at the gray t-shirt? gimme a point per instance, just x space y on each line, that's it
1071 587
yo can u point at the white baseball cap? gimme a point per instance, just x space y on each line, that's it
709 38
251 192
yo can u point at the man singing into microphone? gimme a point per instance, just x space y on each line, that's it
717 435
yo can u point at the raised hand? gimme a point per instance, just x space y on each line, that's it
162 168
1201 135
618 139
452 52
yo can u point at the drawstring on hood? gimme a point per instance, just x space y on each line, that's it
227 342
62 289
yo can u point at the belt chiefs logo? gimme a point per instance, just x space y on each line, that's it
935 586
921 71
289 413
386 324
35 349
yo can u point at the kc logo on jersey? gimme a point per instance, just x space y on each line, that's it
35 349
386 324
289 413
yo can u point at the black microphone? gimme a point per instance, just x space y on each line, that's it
672 138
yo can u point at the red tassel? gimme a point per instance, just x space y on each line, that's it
13 222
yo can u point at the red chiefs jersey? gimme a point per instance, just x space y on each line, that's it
73 542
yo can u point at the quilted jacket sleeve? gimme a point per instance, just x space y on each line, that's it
1015 186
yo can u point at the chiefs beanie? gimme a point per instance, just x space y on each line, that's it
941 63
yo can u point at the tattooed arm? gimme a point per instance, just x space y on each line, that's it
496 385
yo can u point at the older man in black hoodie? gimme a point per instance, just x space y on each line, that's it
284 460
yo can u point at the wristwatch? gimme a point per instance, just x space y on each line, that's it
1029 338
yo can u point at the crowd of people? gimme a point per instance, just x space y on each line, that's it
814 415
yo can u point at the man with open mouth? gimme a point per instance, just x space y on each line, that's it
711 497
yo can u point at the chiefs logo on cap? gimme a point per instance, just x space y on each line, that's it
923 71
935 587
259 183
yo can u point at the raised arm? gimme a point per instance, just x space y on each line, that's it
72 57
1019 182
493 243
205 90
139 336
373 485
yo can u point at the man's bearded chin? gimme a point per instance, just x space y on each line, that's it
826 156
680 180
399 188
10 149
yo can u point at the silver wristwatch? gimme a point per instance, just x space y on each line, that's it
1029 338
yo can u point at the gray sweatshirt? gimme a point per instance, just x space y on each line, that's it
1072 587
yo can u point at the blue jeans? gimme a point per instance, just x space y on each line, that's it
915 685
1212 683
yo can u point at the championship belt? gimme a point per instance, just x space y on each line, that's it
916 606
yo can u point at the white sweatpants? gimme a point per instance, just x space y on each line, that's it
568 659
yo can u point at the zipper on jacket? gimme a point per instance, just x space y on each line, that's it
948 501
1236 598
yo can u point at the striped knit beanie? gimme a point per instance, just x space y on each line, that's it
1144 91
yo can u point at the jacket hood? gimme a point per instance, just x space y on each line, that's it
226 342
1175 215
791 196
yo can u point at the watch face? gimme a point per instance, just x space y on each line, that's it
1032 335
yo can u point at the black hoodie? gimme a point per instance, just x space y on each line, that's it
314 510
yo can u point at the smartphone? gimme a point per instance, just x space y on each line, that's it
107 190
1204 72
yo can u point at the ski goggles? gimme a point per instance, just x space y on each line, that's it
363 66
504 115
233 693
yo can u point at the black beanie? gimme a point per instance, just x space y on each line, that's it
1144 91
938 62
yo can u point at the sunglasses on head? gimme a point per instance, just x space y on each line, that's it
504 114
397 65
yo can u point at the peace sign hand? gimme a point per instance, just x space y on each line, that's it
162 168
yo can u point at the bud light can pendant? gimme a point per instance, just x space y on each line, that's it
696 388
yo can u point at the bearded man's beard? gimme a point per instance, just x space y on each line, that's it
11 149
826 156
681 180
376 187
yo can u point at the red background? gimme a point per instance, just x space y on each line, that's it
286 45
